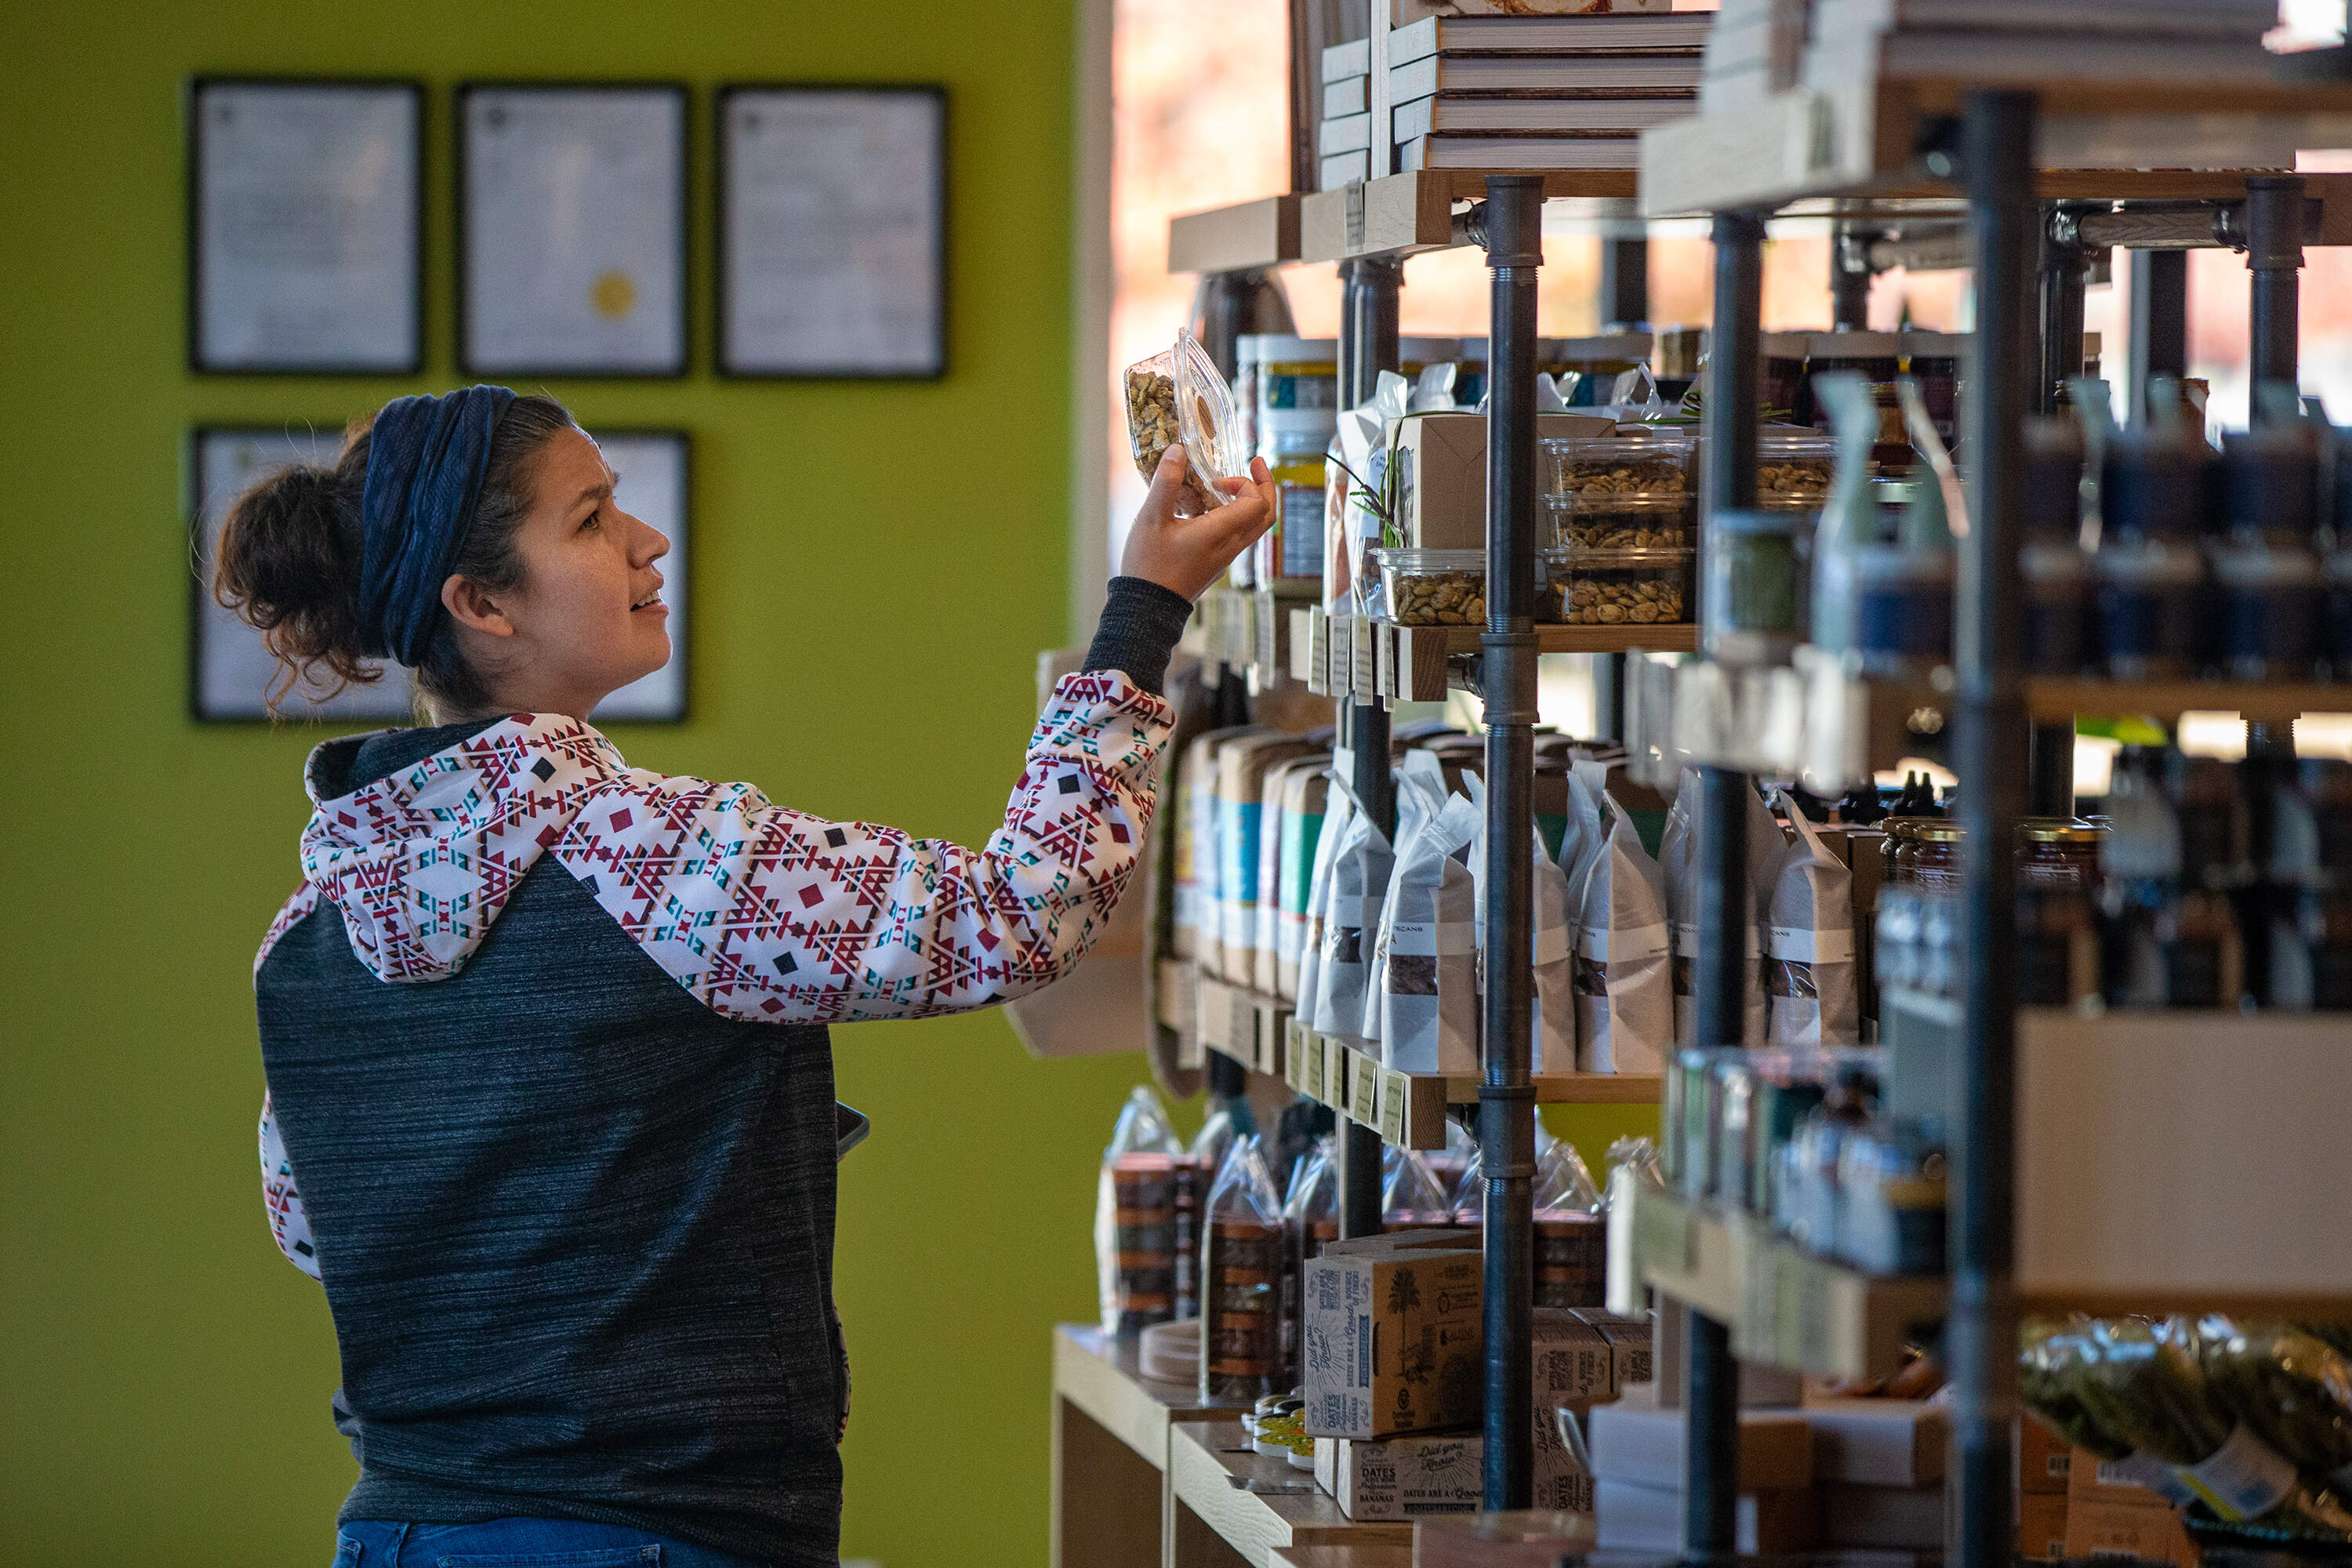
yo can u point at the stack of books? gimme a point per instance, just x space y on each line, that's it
1344 134
1541 92
1756 49
2212 42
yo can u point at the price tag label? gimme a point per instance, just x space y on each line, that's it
1363 1091
1396 1098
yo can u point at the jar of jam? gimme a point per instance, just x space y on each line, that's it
1935 857
2057 919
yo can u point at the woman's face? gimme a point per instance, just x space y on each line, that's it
587 617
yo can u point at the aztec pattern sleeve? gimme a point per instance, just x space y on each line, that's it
774 916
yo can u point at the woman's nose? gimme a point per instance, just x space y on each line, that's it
652 543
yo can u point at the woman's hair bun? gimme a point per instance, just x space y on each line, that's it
289 565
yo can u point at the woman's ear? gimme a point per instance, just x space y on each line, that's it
471 606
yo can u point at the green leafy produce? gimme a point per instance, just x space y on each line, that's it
2292 1388
2052 1370
2145 1386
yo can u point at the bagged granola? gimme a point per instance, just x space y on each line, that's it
1624 983
1242 763
1426 955
1178 396
1811 974
1136 1244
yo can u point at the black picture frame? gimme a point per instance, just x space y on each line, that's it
205 358
469 310
677 569
212 661
727 362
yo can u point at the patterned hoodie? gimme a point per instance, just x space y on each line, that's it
565 1140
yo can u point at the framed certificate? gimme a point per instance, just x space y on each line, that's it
572 230
833 231
230 673
304 244
655 487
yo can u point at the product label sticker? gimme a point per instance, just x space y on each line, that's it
1802 945
1640 942
2243 1479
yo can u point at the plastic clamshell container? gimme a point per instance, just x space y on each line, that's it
1615 587
1598 521
1793 469
1432 588
1646 461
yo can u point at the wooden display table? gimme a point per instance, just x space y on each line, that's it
1214 1522
1343 1557
1110 1446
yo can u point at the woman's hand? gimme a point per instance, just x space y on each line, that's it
1185 554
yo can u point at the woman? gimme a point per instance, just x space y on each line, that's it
544 1034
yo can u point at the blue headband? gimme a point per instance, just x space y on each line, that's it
427 457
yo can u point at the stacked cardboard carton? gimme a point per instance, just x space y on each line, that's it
1394 1377
2107 1517
2208 42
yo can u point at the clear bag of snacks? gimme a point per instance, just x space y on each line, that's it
1571 1258
1178 396
1615 587
1135 1217
1241 1286
1432 588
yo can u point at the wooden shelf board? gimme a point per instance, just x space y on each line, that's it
1203 1467
1382 1555
1098 1372
1860 140
2052 698
1784 1307
1248 235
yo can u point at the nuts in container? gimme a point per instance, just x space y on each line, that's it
1646 461
1180 396
1793 468
1432 587
1622 522
1615 587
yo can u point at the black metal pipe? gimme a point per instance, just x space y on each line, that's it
1997 139
2064 266
1609 675
2050 771
1367 345
1849 280
1726 913
1507 1099
1624 285
2274 256
2159 321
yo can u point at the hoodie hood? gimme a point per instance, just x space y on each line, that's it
422 861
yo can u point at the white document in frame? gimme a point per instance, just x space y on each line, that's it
652 489
234 670
306 241
834 233
574 230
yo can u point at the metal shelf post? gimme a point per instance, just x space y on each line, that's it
1850 280
1367 345
2159 332
1711 1389
1624 284
2274 256
1514 238
1997 139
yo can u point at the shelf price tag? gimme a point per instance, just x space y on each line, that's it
1311 1081
1396 1098
1294 1055
1363 1091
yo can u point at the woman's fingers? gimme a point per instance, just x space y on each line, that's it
1167 484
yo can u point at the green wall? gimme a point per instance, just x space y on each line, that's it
874 568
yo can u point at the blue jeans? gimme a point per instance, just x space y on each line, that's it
519 1543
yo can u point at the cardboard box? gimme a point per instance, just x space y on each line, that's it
1643 1446
2090 1478
2096 1527
2041 1526
1393 1344
1650 1518
1894 1519
1879 1442
1630 1351
2043 1458
1405 1478
1442 473
1420 1238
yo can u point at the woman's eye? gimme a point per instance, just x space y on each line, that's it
589 521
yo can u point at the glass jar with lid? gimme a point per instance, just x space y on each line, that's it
1753 608
1934 857
2057 917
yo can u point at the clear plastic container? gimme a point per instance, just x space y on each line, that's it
1432 588
1793 469
1644 461
1615 587
1606 521
1179 395
1241 1284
